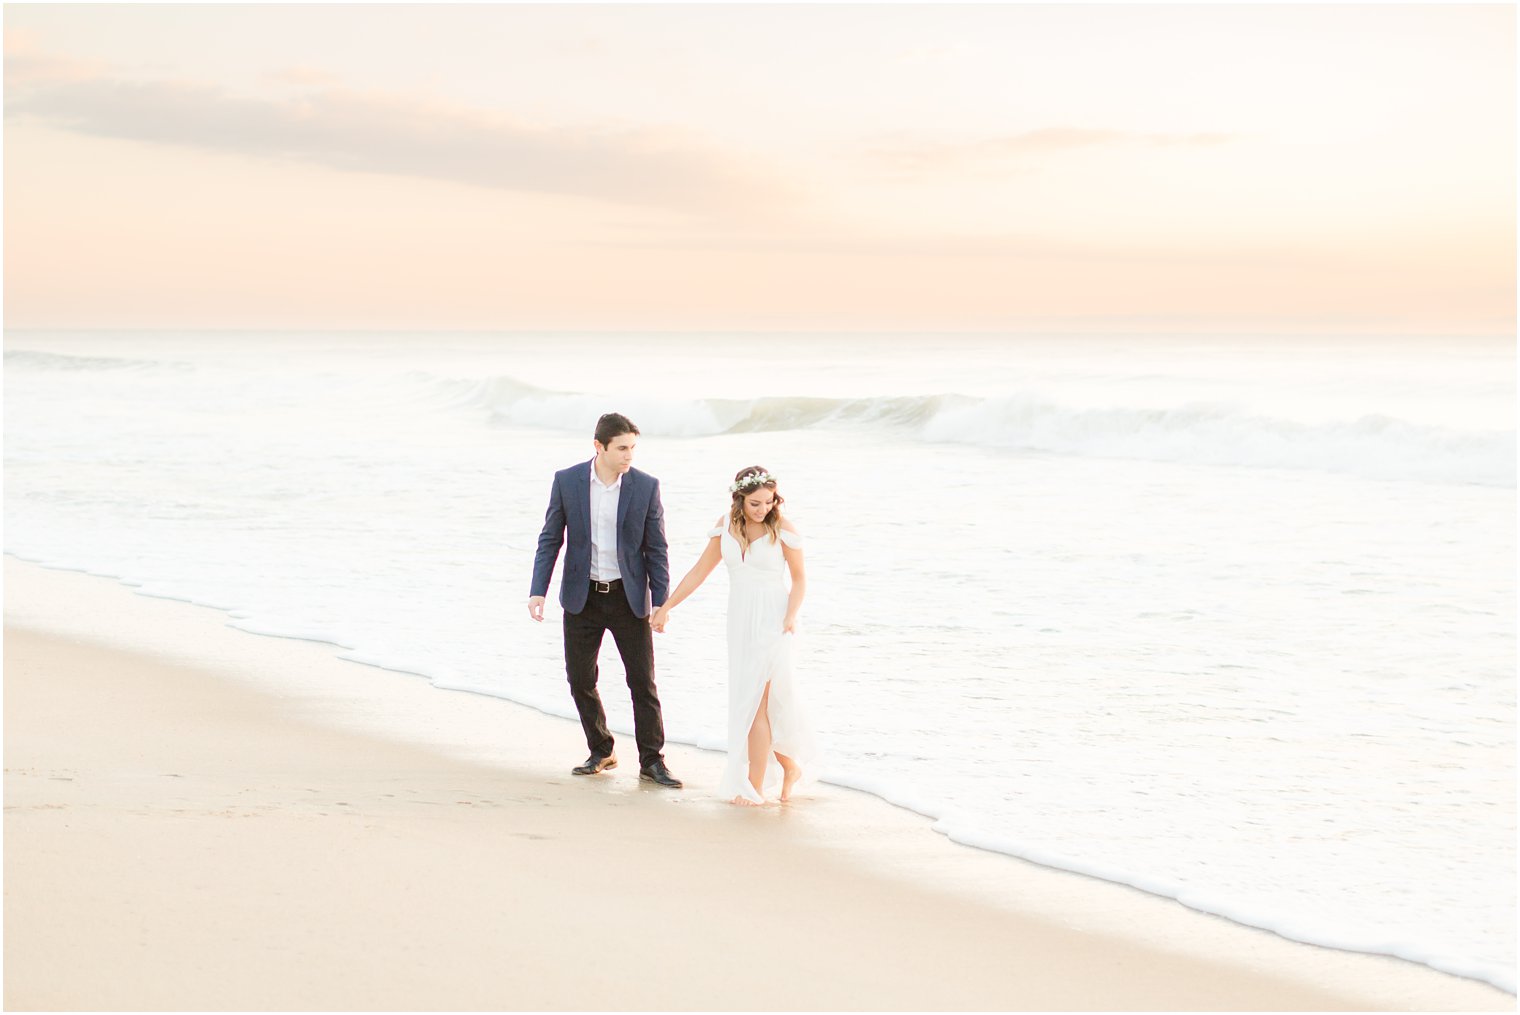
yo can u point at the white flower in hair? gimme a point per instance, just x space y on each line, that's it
751 481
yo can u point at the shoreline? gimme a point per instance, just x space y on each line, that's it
274 827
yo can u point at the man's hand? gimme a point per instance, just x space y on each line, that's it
536 608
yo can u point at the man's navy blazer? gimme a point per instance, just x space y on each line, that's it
643 554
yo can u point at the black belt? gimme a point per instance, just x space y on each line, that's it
605 587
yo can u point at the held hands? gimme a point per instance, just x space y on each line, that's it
657 619
536 608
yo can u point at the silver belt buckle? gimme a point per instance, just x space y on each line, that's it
602 586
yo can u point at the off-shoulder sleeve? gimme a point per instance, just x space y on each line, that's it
716 530
792 539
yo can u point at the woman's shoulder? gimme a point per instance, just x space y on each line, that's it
718 527
787 526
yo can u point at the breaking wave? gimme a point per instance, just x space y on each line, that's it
1197 433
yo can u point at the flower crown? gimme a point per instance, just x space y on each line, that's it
751 481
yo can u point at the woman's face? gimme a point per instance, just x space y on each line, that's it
758 503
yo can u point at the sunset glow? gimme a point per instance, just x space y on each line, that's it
861 167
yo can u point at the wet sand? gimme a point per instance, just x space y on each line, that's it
201 818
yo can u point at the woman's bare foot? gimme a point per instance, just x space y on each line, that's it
791 772
745 802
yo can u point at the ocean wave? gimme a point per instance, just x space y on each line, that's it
1205 434
28 359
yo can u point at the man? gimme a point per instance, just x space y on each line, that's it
617 566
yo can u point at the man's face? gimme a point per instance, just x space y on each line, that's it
618 453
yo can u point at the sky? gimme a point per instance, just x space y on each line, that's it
862 167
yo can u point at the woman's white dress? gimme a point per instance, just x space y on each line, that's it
760 653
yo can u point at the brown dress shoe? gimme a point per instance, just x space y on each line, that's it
594 764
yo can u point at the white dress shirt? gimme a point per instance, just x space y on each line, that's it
604 512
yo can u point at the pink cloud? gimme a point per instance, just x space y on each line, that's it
914 156
379 133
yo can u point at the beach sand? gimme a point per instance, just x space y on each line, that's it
200 818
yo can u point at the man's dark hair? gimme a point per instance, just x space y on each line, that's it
612 424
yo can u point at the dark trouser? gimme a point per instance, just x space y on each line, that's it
609 611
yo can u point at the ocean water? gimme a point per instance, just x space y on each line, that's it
1231 620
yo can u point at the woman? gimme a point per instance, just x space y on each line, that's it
765 719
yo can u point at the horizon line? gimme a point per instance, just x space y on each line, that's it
1363 332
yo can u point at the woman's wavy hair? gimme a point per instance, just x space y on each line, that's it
736 509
